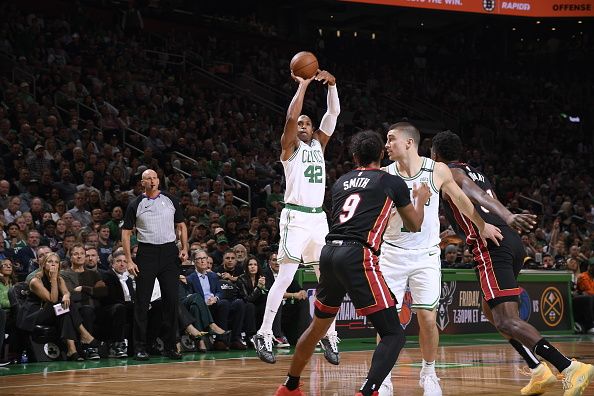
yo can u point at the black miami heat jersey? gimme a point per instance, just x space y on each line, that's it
460 223
361 203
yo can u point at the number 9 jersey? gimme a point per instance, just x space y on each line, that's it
361 204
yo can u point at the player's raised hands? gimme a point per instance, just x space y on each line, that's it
301 79
325 77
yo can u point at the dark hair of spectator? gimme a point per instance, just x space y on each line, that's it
247 262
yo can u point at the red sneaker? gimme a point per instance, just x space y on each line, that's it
375 393
284 391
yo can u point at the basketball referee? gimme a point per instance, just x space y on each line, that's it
157 216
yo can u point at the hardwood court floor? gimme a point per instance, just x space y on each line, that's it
487 367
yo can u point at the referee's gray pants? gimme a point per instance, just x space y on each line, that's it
160 262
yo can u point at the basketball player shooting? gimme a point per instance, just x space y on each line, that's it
303 225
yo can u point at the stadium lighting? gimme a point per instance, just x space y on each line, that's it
373 36
354 34
338 33
538 22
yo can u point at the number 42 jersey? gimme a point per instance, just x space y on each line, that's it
305 174
361 203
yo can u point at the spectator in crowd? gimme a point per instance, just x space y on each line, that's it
117 306
85 286
467 260
80 212
7 280
195 317
207 285
104 246
115 224
48 288
585 280
583 302
25 259
229 270
451 254
91 258
66 188
254 287
12 211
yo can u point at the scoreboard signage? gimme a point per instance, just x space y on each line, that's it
526 8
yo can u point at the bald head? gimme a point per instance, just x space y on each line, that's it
150 182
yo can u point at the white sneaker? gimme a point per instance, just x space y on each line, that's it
590 331
386 388
430 385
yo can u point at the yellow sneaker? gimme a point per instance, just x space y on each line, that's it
576 378
542 379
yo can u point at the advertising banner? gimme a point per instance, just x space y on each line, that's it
526 8
544 303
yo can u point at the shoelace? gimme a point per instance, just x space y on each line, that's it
565 380
334 340
525 371
268 342
433 381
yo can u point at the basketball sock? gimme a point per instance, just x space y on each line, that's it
551 354
332 328
291 382
275 295
386 353
526 353
428 367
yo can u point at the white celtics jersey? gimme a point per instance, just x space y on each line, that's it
305 173
396 233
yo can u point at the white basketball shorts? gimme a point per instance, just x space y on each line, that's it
302 236
420 269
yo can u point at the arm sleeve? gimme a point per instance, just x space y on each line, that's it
328 122
396 189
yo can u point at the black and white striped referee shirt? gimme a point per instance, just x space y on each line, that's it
154 218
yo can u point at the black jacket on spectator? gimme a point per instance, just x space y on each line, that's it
252 293
115 294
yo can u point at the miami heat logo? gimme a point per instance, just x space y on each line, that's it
489 5
405 314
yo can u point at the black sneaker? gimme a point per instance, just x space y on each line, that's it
330 346
263 343
92 354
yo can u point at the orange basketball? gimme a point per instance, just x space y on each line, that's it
304 64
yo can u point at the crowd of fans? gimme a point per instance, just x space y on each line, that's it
66 176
